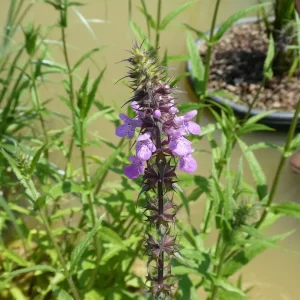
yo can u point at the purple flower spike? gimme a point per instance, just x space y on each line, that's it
180 146
187 163
129 127
135 169
185 125
145 146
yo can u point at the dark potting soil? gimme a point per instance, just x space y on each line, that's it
237 67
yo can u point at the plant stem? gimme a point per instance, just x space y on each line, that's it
158 24
281 163
219 274
208 58
60 257
71 92
90 204
160 163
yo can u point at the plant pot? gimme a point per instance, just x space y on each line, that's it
278 120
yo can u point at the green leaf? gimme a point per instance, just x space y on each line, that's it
64 295
92 93
182 270
36 158
82 246
268 72
16 258
197 64
41 268
199 34
257 172
111 236
173 14
63 188
291 209
107 164
187 289
234 18
188 106
150 21
140 35
12 218
245 256
84 57
227 286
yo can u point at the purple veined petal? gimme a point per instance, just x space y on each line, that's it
190 115
122 130
187 164
152 146
132 171
193 128
173 110
145 136
142 151
180 146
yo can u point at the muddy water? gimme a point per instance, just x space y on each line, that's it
274 274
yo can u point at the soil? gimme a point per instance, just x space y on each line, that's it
237 67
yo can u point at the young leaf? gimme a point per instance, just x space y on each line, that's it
234 18
257 172
290 209
140 35
82 246
268 72
173 14
197 64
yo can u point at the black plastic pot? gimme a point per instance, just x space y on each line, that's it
279 120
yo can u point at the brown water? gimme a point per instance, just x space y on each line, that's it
274 273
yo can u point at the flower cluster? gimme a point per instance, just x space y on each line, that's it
160 110
161 147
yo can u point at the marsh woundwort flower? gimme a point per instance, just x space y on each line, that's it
161 147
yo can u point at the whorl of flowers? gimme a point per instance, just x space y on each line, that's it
161 147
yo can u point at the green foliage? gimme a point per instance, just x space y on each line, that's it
74 231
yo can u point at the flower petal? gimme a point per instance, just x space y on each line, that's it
122 130
193 128
180 146
190 115
142 151
124 118
132 171
187 164
145 136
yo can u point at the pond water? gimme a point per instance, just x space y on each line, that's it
274 274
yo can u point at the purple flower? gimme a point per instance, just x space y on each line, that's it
180 146
129 127
187 163
145 146
135 169
185 125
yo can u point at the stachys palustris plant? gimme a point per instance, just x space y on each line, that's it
161 148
